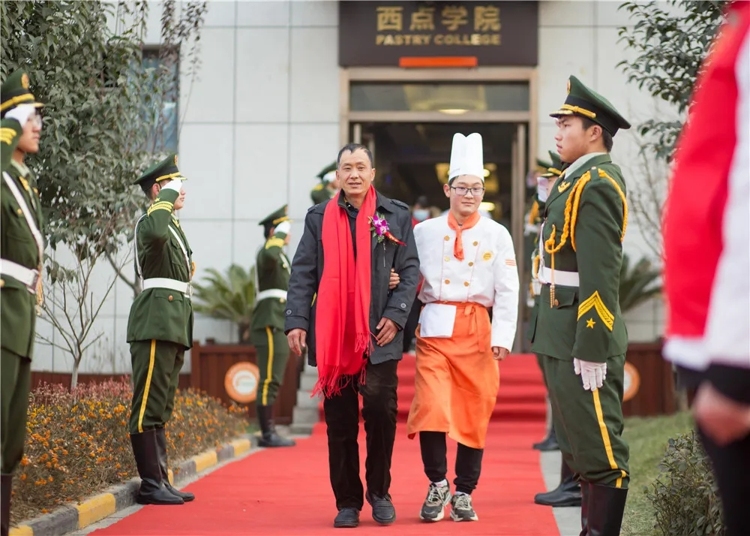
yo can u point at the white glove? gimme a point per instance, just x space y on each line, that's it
174 184
21 113
542 187
283 227
592 374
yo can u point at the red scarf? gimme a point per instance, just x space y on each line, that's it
342 325
458 245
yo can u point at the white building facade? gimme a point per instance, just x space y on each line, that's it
271 108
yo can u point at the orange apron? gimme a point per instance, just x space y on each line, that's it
457 380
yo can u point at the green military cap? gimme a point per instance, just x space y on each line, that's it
555 169
586 102
275 218
326 170
161 171
15 91
542 165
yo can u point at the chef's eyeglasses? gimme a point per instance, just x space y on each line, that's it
463 190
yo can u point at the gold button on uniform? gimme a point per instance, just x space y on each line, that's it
466 283
471 263
447 281
557 303
170 298
447 259
2 283
476 243
447 238
20 212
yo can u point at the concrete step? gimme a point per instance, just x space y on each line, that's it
301 429
304 400
305 417
307 381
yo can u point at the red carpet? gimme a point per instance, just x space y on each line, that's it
287 492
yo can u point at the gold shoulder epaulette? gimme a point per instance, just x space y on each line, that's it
7 135
274 243
605 176
574 202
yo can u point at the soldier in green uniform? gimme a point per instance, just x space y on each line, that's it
579 330
21 256
533 223
160 327
568 492
328 186
273 269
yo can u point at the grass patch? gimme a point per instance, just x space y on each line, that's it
647 438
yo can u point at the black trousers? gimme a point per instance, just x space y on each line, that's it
435 460
731 465
342 419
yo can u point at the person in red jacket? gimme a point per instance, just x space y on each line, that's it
707 262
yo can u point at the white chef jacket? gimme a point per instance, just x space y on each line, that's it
487 276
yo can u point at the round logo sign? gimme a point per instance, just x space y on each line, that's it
241 382
631 382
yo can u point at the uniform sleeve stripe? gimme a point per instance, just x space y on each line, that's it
161 205
595 302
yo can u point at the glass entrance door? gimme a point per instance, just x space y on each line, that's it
407 117
412 160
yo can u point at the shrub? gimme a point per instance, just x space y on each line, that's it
685 496
77 444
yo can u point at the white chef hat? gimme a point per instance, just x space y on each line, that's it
467 156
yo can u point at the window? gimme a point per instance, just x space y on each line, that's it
164 122
446 97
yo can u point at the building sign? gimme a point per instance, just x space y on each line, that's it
379 33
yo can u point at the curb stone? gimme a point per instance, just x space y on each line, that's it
69 518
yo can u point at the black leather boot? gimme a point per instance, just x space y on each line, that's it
269 437
146 454
161 445
585 505
606 507
549 443
568 493
5 492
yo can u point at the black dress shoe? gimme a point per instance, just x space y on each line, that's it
383 511
568 493
347 518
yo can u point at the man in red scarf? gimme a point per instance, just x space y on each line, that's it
340 309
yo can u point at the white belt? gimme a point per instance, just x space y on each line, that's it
271 293
536 286
27 276
565 279
171 284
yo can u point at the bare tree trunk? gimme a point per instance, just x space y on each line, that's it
74 375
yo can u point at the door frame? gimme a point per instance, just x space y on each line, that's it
480 74
523 119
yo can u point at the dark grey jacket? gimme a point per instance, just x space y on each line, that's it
307 269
